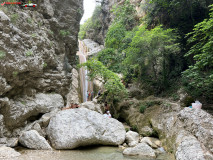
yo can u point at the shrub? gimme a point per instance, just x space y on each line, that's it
142 108
64 33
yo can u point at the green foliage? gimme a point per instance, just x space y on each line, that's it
44 65
111 58
34 35
114 89
148 56
115 35
29 20
125 14
127 129
198 79
50 32
134 128
92 24
2 54
29 53
142 108
14 18
15 73
64 33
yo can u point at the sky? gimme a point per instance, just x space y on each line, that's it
89 6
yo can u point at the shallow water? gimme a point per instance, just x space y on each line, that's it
89 153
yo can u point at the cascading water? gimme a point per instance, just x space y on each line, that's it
83 72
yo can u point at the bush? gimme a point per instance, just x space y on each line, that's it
142 108
64 33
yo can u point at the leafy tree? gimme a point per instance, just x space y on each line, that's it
148 55
199 77
114 89
111 59
115 35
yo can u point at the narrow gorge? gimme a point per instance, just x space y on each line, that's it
120 85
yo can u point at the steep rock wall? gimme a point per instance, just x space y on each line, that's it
38 49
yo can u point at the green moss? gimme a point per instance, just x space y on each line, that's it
14 18
50 32
64 33
23 102
15 73
44 65
127 129
2 54
29 53
29 20
34 35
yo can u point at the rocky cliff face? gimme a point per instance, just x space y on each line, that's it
106 18
37 55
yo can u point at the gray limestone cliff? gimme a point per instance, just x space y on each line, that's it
37 57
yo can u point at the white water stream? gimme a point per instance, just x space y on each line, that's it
83 72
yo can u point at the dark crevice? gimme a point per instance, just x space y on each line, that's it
34 118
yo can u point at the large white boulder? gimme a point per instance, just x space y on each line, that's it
92 106
141 149
73 128
7 152
31 139
132 138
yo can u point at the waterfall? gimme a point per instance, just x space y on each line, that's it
83 72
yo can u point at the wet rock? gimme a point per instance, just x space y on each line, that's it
142 149
152 142
32 139
92 106
73 128
7 152
200 124
132 138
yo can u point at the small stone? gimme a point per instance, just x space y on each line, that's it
142 149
